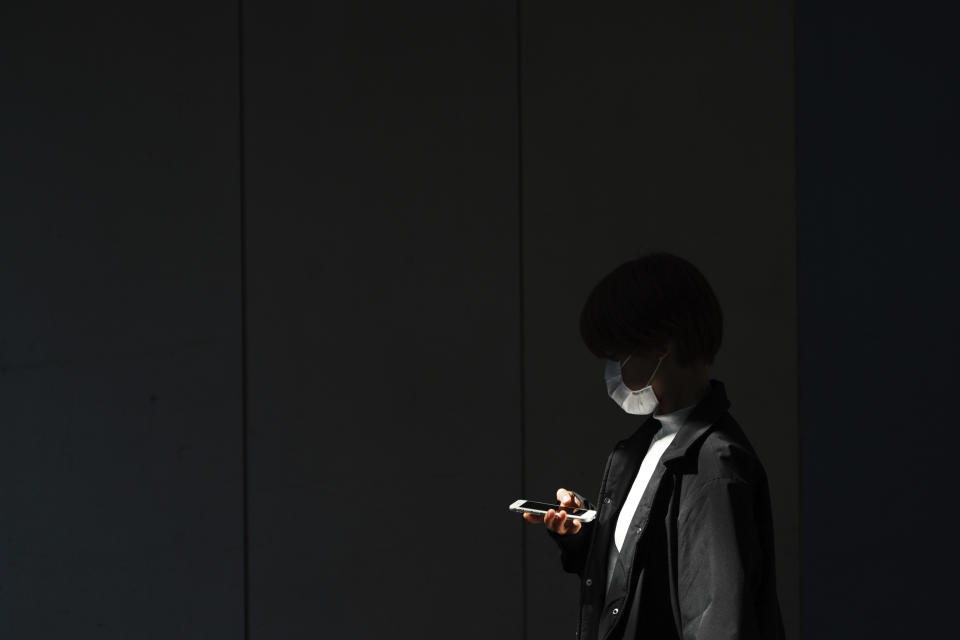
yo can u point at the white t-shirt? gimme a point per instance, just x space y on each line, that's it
670 423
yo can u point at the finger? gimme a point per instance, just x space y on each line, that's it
533 517
550 520
570 525
566 498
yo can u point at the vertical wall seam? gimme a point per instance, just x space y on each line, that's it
243 319
797 301
523 402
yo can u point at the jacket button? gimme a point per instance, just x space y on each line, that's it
606 500
589 582
615 611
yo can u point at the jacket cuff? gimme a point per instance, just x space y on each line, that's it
583 500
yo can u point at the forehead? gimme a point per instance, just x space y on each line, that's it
635 352
620 354
615 354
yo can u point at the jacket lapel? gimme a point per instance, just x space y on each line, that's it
696 427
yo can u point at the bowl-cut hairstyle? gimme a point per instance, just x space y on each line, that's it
650 300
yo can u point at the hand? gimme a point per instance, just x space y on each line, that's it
557 521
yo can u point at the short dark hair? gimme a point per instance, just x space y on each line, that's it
649 300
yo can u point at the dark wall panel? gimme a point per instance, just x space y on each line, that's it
120 475
384 319
878 201
656 126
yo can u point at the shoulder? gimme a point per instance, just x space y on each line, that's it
727 469
726 453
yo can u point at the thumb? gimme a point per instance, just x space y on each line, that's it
566 498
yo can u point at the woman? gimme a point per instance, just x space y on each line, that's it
682 545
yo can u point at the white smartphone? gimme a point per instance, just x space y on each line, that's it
532 506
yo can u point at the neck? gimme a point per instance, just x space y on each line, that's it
683 390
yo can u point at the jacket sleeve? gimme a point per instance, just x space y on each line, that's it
718 563
574 546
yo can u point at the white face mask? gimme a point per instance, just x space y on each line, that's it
640 402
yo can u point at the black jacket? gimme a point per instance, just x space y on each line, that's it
698 560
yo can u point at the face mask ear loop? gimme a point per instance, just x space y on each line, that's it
656 368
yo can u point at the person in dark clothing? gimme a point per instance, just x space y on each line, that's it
682 546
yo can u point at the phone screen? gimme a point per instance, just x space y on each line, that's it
544 506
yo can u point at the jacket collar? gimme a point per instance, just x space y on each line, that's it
698 423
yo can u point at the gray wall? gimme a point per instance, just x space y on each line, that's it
120 381
384 320
272 277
